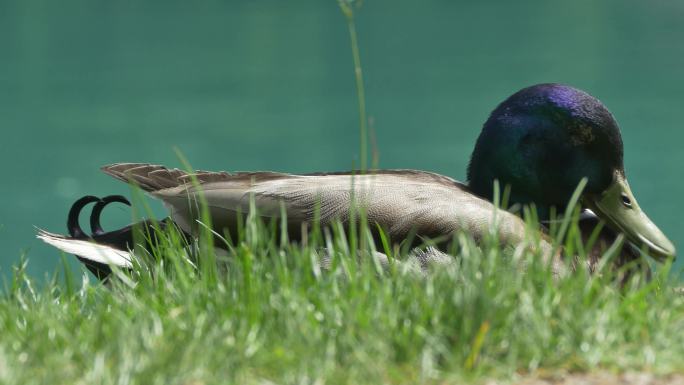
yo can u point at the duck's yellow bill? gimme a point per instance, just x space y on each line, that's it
621 211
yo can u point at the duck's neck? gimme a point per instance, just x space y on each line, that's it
516 203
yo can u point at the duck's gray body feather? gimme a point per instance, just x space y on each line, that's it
402 202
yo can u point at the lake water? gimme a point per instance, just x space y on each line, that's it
268 85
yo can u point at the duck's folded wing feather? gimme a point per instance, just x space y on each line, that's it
400 201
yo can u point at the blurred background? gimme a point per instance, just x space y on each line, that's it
269 85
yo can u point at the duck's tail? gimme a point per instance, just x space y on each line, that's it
97 257
101 250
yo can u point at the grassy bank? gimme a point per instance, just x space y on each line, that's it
268 313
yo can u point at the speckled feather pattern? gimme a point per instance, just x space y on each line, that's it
400 201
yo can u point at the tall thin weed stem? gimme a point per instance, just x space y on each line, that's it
347 7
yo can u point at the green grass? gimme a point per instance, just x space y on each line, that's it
268 313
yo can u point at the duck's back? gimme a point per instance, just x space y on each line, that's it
402 202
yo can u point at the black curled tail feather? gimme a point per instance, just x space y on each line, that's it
100 270
95 226
73 226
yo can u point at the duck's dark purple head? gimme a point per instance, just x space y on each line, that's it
542 141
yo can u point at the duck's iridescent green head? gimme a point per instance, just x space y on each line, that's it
542 141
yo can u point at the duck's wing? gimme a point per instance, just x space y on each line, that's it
400 201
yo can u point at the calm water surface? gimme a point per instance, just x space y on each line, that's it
268 85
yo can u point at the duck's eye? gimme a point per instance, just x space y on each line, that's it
626 201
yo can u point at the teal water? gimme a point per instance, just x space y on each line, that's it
268 85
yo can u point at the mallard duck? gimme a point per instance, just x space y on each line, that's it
540 142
